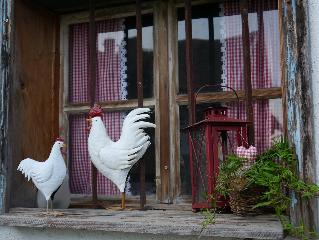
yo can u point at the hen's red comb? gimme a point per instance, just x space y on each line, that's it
96 111
60 139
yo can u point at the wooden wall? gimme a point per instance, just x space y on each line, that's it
295 37
5 14
33 108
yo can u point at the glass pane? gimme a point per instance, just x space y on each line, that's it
148 51
111 61
116 60
206 47
268 120
218 48
268 123
78 63
80 165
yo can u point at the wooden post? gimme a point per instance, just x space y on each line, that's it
283 69
92 84
247 71
189 62
139 79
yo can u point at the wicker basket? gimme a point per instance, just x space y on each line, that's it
242 200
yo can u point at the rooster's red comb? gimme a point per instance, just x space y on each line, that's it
96 111
60 139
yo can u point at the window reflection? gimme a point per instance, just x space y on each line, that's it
148 51
117 37
217 45
206 47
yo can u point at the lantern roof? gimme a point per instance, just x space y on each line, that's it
217 116
218 121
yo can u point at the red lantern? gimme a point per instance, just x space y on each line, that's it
210 141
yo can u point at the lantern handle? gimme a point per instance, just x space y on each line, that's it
217 85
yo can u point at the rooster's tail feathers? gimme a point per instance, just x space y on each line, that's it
143 150
138 117
142 124
143 140
137 111
135 150
138 155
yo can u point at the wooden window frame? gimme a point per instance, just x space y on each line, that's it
165 86
177 100
167 79
66 109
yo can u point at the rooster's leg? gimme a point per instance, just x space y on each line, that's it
123 200
47 206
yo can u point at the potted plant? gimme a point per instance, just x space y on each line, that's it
267 183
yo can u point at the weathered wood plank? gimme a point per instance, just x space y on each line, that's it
247 71
106 13
140 93
175 178
32 113
299 105
108 106
153 222
283 72
5 71
162 99
108 6
267 93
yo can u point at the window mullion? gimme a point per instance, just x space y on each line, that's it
247 70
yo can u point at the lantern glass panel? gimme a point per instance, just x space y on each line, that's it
199 163
184 147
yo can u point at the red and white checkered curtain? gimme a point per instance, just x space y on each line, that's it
264 55
110 85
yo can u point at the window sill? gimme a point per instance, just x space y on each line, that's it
164 222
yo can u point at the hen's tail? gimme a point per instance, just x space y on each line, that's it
26 166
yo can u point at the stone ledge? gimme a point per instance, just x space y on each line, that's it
164 222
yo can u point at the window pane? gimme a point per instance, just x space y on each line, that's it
80 165
206 47
78 63
111 61
148 51
218 48
116 60
268 123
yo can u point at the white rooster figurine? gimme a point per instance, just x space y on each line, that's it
47 176
115 159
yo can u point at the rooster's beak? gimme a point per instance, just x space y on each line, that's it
89 120
63 149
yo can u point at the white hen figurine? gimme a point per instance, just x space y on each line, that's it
115 159
47 176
